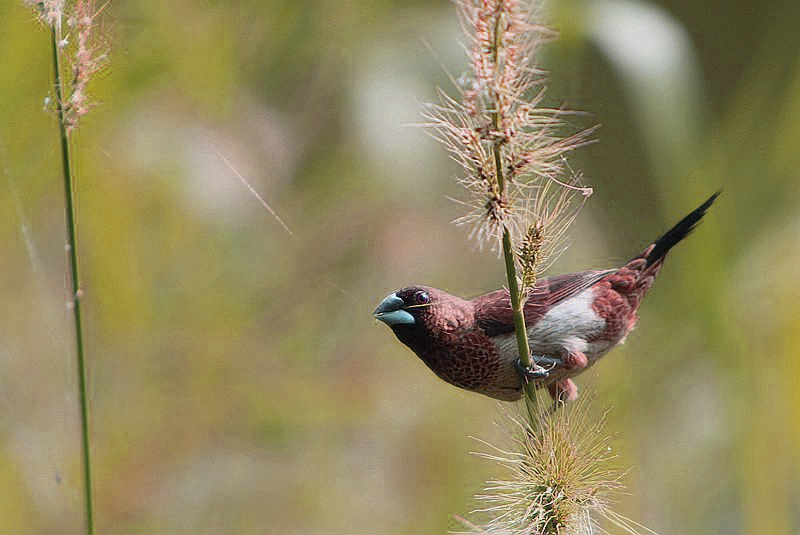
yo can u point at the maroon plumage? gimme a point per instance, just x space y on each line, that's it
572 319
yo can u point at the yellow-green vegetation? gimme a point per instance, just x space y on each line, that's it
236 381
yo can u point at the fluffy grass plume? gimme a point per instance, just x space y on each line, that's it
81 50
509 146
561 477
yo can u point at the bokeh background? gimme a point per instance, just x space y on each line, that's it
238 382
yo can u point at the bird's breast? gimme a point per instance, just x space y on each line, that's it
466 359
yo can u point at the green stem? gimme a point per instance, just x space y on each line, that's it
517 304
72 247
517 307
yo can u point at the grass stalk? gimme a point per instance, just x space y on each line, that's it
75 305
517 306
517 303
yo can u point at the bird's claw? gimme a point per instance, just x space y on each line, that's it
550 362
536 371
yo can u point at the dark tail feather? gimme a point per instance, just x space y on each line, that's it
679 231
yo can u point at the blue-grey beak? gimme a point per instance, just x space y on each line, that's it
390 311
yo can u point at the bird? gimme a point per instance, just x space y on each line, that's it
572 320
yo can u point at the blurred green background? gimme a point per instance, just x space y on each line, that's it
238 382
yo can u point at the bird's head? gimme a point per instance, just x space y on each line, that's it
422 309
407 307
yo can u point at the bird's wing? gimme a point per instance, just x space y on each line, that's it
493 310
553 290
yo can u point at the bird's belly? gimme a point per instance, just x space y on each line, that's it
566 327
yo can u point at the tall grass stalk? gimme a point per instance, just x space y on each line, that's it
79 51
75 279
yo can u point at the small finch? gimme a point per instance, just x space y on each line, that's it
572 321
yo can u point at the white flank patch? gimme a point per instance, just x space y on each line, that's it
565 326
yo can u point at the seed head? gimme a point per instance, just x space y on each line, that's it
83 46
507 144
561 475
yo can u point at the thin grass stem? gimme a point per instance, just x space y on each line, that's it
75 305
517 303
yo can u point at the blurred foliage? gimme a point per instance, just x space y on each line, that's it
238 383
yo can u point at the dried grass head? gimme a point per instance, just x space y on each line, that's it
508 145
82 47
561 471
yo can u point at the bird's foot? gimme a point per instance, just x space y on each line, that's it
536 371
550 362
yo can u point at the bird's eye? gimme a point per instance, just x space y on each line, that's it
422 298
